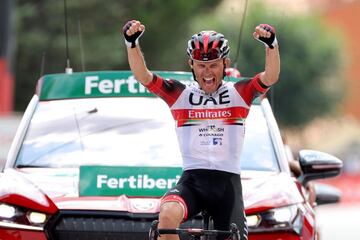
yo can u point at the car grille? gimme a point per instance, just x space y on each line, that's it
104 226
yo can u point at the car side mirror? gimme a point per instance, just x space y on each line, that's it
318 165
326 194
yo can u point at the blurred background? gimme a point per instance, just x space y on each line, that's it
316 101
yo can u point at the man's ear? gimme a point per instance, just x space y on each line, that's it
190 62
227 62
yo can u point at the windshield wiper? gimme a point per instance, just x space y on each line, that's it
30 166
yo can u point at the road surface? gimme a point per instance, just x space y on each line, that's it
339 221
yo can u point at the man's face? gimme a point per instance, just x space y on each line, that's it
209 74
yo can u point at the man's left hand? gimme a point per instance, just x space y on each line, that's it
266 34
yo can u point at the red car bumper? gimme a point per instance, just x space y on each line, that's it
10 234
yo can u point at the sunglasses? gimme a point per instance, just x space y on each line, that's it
200 55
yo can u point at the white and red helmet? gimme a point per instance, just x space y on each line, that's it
208 46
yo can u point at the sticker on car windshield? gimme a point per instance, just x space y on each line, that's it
131 181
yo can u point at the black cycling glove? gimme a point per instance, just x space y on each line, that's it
270 42
133 40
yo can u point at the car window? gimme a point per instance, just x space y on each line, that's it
122 131
258 152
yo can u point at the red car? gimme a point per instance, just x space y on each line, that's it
95 151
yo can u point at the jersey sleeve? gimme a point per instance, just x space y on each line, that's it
250 89
167 89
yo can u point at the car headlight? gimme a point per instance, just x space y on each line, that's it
7 211
289 218
18 217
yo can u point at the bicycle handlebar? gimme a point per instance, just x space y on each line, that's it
193 231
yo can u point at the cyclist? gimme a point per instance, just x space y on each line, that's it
209 116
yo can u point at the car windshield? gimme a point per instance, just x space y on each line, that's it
125 132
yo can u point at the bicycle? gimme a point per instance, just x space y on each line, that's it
195 233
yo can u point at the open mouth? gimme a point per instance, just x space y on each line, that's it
209 81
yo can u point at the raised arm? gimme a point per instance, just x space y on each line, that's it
132 31
266 34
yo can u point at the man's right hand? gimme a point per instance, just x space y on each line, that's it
132 31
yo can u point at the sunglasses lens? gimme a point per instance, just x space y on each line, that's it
200 55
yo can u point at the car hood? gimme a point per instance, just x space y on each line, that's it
266 190
261 191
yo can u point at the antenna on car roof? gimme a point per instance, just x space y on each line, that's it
240 34
81 47
42 67
68 69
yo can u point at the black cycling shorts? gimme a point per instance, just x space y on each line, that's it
217 192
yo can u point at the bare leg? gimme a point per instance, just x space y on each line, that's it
171 215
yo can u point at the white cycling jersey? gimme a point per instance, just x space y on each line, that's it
210 127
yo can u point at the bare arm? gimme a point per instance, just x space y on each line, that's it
138 66
135 56
272 56
272 66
